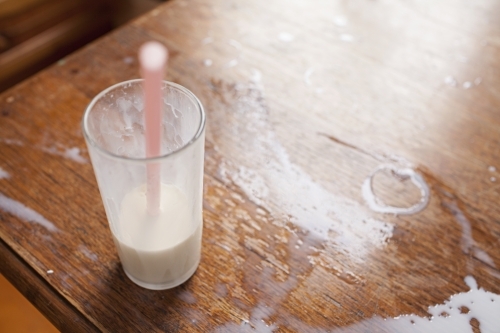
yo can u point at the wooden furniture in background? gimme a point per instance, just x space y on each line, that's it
304 100
35 33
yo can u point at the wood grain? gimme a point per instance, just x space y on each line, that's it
304 101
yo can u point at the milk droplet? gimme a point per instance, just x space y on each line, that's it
4 174
346 37
74 154
450 80
340 21
256 76
232 63
307 76
286 37
207 40
235 44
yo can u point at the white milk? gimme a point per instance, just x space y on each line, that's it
158 252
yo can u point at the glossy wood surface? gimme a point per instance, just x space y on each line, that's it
304 100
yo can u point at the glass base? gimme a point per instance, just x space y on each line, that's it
163 286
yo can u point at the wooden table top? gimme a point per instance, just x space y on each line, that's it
321 116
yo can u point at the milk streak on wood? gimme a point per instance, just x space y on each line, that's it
304 100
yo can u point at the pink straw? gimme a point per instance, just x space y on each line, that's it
152 57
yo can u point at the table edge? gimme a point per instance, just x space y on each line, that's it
57 309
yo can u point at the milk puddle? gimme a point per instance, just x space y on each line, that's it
455 315
377 205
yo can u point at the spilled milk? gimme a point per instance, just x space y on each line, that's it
378 206
453 316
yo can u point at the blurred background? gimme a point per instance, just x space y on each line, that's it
36 33
33 35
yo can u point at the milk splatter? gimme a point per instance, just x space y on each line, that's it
468 243
311 206
340 21
483 256
237 45
232 63
24 213
256 76
13 142
451 81
89 254
307 76
256 323
74 154
346 38
461 58
286 37
4 174
207 40
186 296
69 153
483 306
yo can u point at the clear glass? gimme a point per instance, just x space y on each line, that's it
156 252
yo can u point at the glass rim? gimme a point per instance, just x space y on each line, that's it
194 138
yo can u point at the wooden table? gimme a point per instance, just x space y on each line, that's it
305 100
